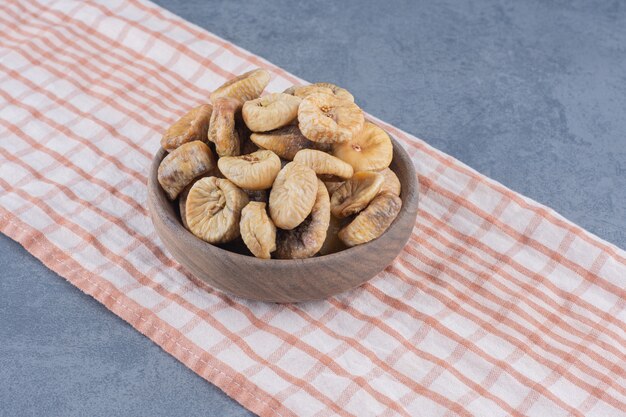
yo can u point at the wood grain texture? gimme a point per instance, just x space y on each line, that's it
285 281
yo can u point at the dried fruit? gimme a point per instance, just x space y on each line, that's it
373 221
270 112
332 243
192 126
328 88
332 186
368 150
245 87
222 129
255 171
293 195
356 193
307 239
391 183
328 119
326 166
182 197
182 165
214 209
284 142
306 90
257 230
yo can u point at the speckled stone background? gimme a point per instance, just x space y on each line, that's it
531 93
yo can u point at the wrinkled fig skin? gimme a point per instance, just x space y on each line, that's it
326 118
373 221
332 186
307 239
270 112
257 230
222 131
293 195
192 126
255 171
391 184
284 142
369 150
245 87
182 165
328 88
213 209
356 193
325 166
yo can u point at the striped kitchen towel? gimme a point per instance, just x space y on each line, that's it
497 306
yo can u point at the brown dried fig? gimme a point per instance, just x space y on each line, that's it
192 126
369 150
255 171
326 166
257 230
222 131
373 221
245 87
304 90
284 142
328 119
391 183
293 195
356 193
182 165
213 209
270 112
307 239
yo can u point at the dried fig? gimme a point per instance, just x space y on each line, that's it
326 166
332 186
328 88
391 183
369 150
214 209
373 221
182 198
255 171
332 243
284 142
257 230
356 193
222 131
270 112
328 119
245 87
307 239
306 90
182 165
192 126
293 195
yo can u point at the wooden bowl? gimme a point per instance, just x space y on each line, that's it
278 280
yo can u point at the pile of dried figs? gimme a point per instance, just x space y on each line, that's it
297 173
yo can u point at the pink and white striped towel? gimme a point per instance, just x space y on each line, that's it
497 306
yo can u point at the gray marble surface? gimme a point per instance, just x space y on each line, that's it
530 93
